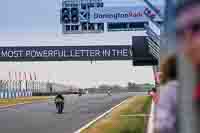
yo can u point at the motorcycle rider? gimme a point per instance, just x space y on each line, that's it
109 92
59 96
59 99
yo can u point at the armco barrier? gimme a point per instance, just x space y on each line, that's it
1 95
9 95
17 94
4 94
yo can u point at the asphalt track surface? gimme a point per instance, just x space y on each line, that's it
42 117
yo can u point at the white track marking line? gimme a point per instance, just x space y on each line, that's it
99 117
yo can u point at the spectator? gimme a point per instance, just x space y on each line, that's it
165 116
188 35
153 93
154 90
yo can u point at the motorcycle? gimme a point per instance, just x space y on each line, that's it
109 93
80 92
59 105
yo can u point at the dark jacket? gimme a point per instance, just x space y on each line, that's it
59 96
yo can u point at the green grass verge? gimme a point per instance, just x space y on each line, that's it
124 119
5 102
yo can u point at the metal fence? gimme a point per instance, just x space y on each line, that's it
22 88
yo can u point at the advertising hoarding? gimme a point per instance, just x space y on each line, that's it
66 53
153 5
120 14
141 53
153 39
155 28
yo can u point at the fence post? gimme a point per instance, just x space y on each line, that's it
186 114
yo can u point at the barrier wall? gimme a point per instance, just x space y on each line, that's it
14 94
10 89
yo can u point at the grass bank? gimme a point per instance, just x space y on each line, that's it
130 117
5 102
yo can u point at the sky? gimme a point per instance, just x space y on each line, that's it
43 17
40 15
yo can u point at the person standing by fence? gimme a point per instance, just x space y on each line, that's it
154 94
166 108
188 34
